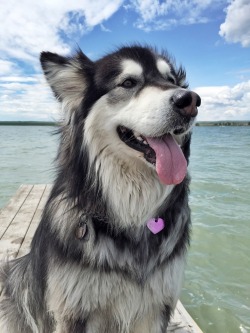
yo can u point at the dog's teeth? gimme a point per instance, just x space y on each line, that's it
140 138
143 141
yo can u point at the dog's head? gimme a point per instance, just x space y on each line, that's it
133 102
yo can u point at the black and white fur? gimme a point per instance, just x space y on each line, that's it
119 277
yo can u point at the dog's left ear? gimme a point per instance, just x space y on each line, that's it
66 76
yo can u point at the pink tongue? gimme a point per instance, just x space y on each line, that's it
171 165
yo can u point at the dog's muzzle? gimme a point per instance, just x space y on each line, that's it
185 103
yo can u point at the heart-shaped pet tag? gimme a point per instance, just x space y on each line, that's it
155 225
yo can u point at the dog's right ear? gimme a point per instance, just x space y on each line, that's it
67 77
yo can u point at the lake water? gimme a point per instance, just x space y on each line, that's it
217 283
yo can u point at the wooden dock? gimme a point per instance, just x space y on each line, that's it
18 222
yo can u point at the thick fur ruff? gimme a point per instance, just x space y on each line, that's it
94 266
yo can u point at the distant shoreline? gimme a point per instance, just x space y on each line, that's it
224 123
199 123
28 123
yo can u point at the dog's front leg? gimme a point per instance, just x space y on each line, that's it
156 322
65 325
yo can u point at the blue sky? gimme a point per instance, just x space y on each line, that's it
210 38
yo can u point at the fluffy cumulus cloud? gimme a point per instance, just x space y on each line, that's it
236 28
7 67
225 102
27 26
26 98
162 15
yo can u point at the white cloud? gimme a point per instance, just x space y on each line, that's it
7 67
104 28
236 28
18 79
158 15
27 98
225 102
28 27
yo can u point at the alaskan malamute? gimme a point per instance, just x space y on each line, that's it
109 252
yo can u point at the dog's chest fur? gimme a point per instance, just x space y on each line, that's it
112 296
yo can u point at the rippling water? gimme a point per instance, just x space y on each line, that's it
217 283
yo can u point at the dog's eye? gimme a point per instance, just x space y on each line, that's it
129 83
171 79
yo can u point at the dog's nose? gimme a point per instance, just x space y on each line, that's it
186 102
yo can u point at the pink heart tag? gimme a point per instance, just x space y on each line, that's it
155 225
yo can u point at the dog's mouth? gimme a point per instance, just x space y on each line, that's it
162 152
137 142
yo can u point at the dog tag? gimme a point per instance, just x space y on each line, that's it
155 225
81 230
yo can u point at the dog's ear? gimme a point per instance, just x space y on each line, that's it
67 77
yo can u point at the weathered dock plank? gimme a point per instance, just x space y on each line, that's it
25 246
15 233
8 213
18 222
182 322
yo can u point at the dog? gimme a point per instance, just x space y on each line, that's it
109 253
